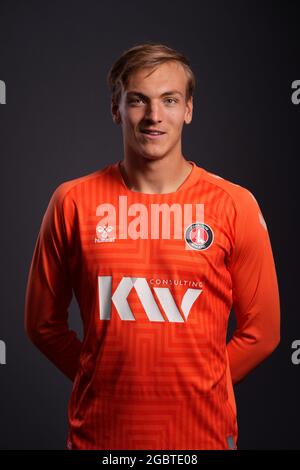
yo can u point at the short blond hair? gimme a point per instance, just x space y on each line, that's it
146 55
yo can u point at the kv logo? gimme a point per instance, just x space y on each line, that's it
140 284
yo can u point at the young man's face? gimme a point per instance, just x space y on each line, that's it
156 101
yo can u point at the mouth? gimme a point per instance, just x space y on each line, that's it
152 134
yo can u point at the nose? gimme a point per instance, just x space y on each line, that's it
153 112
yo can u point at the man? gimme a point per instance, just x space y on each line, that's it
157 250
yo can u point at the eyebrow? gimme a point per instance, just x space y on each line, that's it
172 92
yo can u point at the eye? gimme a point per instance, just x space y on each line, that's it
172 99
134 100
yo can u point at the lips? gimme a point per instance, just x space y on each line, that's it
152 136
152 132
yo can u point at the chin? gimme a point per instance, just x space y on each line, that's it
153 157
153 153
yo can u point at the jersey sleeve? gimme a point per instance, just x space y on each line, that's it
49 288
255 293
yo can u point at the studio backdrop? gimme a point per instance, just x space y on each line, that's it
56 125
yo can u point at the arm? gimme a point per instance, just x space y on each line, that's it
49 289
255 293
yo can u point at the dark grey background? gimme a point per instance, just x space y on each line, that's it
56 125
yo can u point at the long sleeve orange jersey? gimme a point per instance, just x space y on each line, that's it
155 277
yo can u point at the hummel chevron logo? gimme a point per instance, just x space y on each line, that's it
144 292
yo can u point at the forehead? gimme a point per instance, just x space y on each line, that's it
167 76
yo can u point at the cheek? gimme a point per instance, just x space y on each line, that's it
129 124
176 118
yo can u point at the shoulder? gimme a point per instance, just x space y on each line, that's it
236 191
242 198
72 186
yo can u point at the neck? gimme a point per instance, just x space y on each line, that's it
157 176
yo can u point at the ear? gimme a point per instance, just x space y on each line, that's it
115 113
189 111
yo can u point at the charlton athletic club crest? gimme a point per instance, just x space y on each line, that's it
199 236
